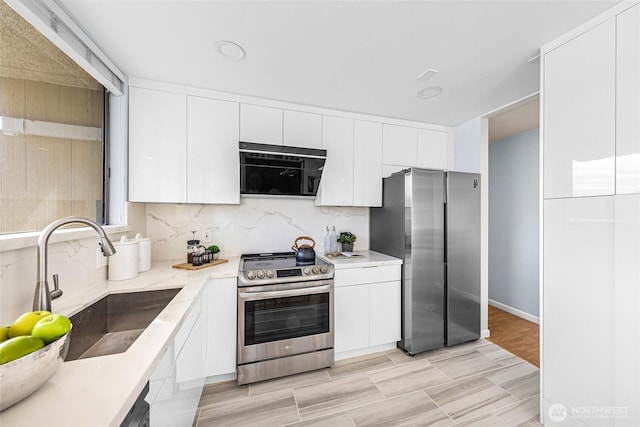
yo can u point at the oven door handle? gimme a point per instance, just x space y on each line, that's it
286 293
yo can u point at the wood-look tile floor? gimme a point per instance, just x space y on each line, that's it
515 334
473 384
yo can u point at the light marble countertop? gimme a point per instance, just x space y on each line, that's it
100 391
361 259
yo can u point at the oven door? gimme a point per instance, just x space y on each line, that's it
285 319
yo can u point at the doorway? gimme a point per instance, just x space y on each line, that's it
514 177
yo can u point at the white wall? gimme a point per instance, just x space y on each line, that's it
514 223
471 154
467 146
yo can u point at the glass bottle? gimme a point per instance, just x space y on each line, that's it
327 241
334 240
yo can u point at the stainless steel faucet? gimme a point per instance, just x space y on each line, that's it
42 297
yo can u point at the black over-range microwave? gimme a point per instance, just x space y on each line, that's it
267 169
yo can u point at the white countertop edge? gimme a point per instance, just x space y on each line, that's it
101 390
366 258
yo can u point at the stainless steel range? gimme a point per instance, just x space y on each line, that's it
285 316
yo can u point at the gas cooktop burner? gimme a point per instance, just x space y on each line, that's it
280 267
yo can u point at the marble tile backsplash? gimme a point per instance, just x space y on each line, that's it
256 225
74 261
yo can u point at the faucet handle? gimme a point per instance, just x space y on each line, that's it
56 292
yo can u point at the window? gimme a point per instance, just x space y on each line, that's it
52 146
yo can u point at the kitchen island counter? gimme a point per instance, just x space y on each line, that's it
100 391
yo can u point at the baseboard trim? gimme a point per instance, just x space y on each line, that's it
485 333
515 311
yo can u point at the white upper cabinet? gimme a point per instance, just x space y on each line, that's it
399 145
579 107
157 146
628 102
212 151
433 149
260 124
336 184
302 129
352 175
367 165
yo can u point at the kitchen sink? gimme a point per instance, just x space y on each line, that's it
112 324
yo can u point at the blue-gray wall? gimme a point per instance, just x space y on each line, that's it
514 222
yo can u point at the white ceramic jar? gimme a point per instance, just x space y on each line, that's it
144 256
124 263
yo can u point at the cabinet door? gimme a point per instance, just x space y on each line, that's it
578 301
302 129
579 108
367 163
433 149
384 307
351 317
157 146
628 102
260 124
176 402
399 145
213 172
222 299
336 185
627 299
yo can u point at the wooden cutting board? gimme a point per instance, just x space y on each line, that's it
187 266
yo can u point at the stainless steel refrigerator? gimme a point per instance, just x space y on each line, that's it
431 220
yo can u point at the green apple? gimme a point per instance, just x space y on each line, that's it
4 333
15 348
51 328
25 323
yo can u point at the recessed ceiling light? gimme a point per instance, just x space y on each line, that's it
427 74
429 92
230 50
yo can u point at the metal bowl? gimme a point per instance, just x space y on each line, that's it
27 374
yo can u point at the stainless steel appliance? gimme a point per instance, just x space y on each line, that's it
431 220
285 316
280 170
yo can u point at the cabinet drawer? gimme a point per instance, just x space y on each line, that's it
373 274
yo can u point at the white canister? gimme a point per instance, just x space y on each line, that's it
144 256
123 264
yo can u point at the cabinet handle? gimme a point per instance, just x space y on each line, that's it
371 266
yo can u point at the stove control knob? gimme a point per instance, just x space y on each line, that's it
324 269
271 274
251 275
306 270
315 269
260 274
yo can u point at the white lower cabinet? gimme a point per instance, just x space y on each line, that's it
367 309
384 312
351 317
222 300
626 319
176 384
578 302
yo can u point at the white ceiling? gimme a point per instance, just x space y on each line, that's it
361 56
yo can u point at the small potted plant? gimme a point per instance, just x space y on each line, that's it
215 251
347 239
